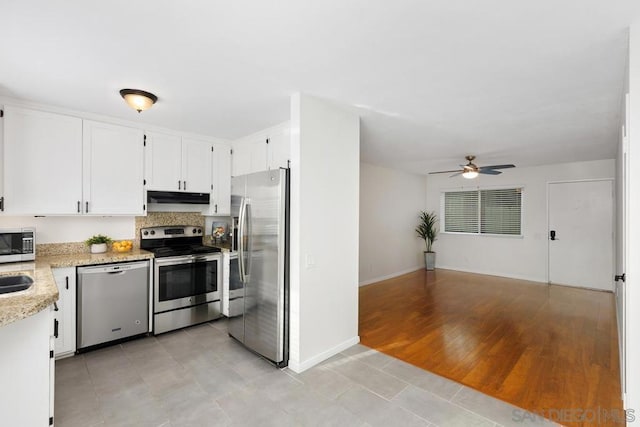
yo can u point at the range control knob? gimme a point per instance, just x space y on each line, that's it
199 230
153 232
146 233
195 231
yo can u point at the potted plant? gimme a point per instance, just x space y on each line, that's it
98 243
428 231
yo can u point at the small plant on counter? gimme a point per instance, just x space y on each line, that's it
98 243
97 240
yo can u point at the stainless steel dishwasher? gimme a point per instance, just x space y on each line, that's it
113 302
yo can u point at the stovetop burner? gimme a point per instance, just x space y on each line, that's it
176 240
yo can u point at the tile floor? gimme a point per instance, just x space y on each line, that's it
201 377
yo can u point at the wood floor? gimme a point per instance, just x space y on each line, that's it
539 347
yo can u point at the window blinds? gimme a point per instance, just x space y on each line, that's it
500 211
484 211
461 212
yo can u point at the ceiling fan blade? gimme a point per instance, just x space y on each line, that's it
489 172
457 170
456 174
497 167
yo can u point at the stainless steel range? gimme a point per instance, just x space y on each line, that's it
187 277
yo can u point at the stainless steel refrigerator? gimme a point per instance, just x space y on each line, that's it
259 306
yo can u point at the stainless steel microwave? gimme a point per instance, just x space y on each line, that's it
17 244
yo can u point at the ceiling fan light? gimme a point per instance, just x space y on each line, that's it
137 99
470 174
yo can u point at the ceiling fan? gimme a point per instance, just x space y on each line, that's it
470 170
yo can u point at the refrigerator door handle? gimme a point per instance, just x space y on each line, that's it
249 250
241 240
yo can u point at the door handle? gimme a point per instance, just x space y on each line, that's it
55 328
552 235
240 239
619 277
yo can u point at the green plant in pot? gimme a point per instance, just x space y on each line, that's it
98 243
428 231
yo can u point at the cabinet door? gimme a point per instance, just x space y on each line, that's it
42 162
113 169
279 148
163 162
250 155
65 279
196 165
221 198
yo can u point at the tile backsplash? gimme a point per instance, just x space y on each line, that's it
154 219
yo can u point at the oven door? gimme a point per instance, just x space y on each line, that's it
185 281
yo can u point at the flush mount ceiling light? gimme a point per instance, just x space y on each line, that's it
138 99
470 174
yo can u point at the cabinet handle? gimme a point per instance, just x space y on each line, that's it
55 328
2 204
67 282
184 186
179 185
86 207
78 206
216 207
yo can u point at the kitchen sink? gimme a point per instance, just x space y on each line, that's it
10 284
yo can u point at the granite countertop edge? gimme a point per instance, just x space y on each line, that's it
44 292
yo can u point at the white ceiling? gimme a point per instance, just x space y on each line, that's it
528 82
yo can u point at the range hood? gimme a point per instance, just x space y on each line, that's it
177 197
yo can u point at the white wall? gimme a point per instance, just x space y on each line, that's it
522 258
325 159
632 300
390 202
54 229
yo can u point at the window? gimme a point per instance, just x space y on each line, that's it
484 211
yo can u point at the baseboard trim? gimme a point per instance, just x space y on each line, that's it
299 367
389 276
493 273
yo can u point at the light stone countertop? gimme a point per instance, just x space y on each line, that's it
44 292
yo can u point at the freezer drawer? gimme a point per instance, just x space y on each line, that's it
113 302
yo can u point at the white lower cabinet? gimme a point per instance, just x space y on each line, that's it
27 371
65 342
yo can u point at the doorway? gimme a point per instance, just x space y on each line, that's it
581 234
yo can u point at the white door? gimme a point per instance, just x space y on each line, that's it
42 163
163 162
581 234
196 165
113 169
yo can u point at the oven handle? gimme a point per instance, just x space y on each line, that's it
186 259
241 239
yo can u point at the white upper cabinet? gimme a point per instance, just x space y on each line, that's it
113 169
265 150
163 162
279 147
173 163
249 155
42 163
196 165
221 193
